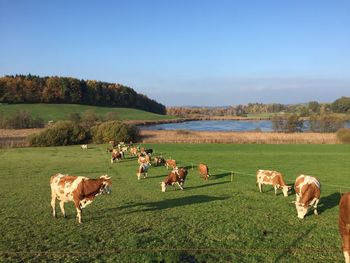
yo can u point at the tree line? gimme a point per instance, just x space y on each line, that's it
35 89
341 105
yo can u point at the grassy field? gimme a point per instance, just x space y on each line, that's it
61 111
214 221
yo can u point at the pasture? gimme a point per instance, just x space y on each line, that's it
57 112
213 221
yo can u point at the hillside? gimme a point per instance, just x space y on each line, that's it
61 111
35 89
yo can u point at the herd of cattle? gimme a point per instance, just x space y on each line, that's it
82 190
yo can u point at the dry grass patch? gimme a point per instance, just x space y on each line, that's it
173 136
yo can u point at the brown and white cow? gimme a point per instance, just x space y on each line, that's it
273 178
175 177
143 169
78 189
344 224
170 163
133 151
203 171
116 156
158 161
144 159
308 191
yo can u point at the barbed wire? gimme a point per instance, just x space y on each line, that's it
234 172
142 250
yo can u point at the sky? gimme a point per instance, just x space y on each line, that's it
186 52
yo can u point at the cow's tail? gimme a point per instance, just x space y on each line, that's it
347 227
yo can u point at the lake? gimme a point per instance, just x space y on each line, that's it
220 125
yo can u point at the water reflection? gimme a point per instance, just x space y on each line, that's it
225 125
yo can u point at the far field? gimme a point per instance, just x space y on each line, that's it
57 112
214 221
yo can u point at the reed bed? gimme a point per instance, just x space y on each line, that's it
173 136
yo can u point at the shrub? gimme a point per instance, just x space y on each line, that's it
61 133
326 123
20 120
287 123
343 135
114 130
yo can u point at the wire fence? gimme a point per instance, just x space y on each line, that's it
322 250
233 173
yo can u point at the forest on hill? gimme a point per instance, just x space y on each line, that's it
35 89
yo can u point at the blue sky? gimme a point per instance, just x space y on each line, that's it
186 52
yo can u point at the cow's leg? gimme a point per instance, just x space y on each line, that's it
78 208
179 185
62 208
138 176
260 187
111 160
346 256
144 175
53 204
275 187
315 206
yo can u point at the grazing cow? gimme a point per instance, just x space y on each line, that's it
78 189
143 159
170 163
308 191
203 171
177 176
84 146
272 178
143 168
133 151
344 224
116 156
148 151
112 143
158 161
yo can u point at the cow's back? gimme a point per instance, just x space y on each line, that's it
63 186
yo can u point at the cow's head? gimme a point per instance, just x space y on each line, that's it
106 185
163 186
285 190
301 209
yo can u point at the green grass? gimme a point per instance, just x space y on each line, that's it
61 111
214 221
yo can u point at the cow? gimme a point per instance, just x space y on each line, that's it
78 189
344 225
170 163
116 156
143 168
112 143
133 151
158 161
308 191
149 151
176 176
84 146
273 178
203 171
143 159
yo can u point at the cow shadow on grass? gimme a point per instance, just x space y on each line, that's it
219 176
170 203
204 185
328 202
